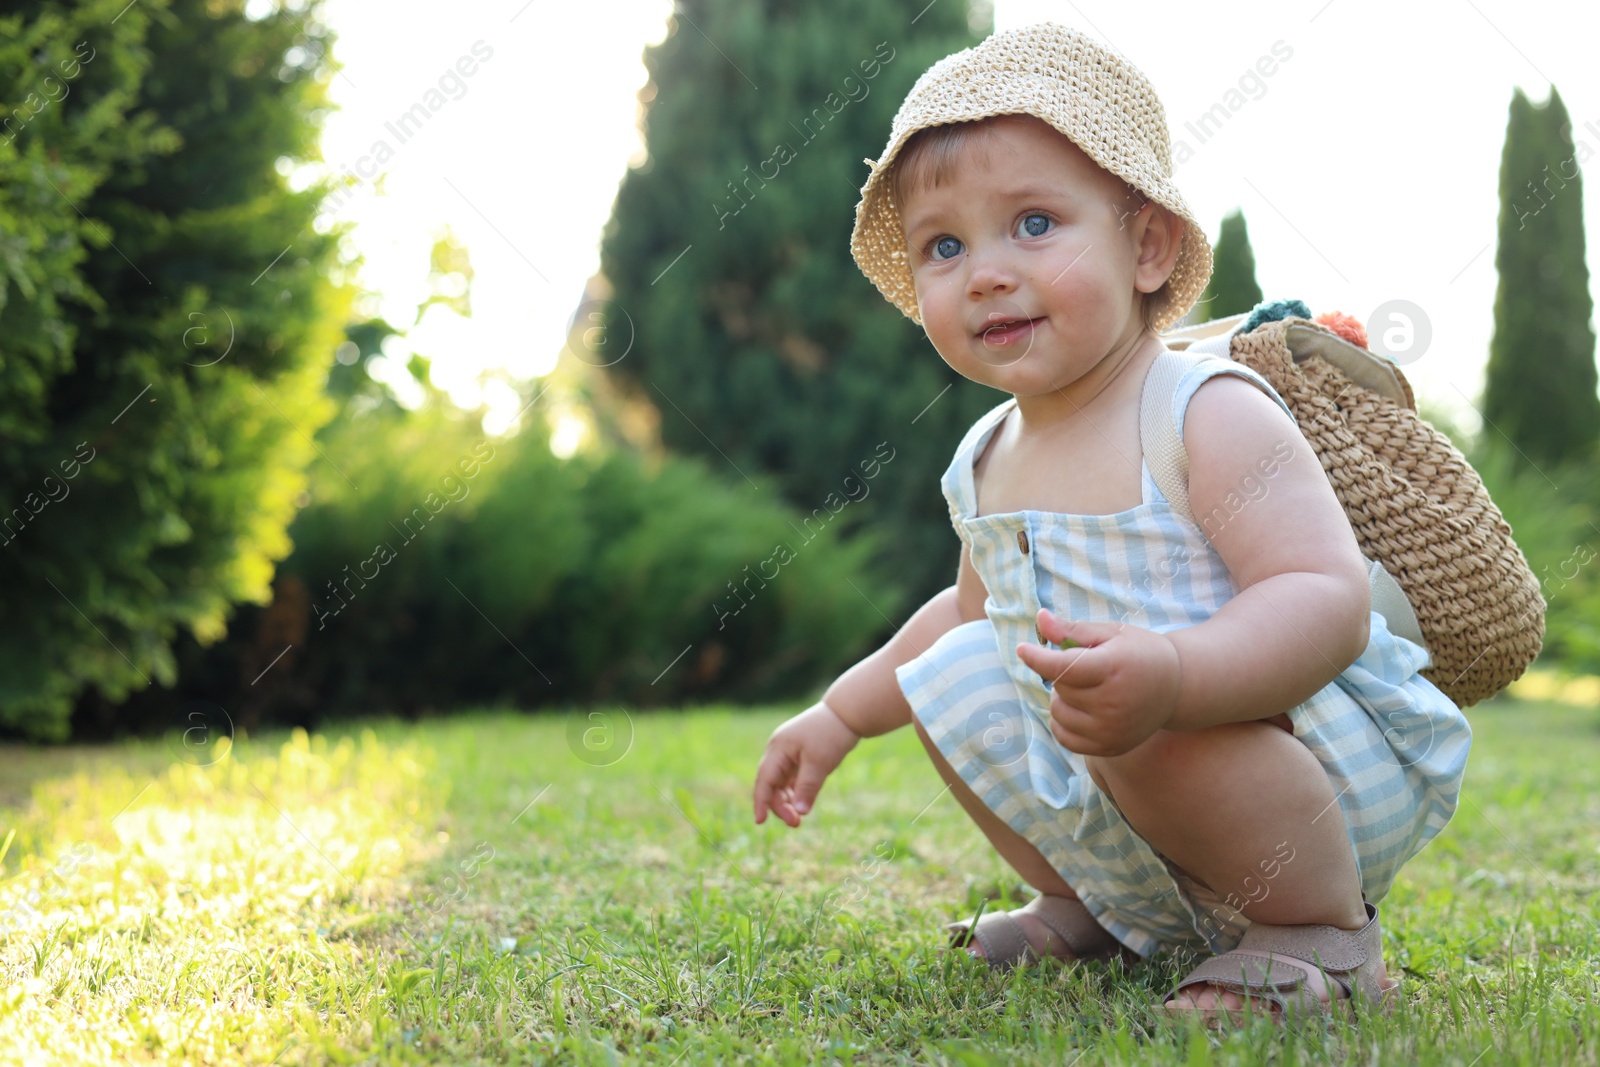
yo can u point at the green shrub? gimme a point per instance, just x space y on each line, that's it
435 568
580 580
157 381
1553 516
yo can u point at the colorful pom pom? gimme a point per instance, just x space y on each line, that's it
1347 326
1273 310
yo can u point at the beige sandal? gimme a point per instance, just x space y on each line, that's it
1004 945
1271 964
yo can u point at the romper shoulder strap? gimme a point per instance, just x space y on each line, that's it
1168 460
1164 454
1160 433
957 483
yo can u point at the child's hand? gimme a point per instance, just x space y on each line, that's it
1111 693
800 754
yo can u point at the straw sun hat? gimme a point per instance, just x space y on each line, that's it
1092 95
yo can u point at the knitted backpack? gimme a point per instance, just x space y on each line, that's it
1445 572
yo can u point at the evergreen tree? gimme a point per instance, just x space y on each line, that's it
753 332
1540 389
1232 288
165 330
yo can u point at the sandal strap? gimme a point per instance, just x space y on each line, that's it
1068 919
1333 948
1272 980
1349 960
1004 944
998 934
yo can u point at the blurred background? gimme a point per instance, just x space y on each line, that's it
363 358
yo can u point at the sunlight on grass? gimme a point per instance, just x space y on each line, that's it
511 897
203 921
1581 691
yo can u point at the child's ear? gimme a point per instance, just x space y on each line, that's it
1159 236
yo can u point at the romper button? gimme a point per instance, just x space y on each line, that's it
1022 541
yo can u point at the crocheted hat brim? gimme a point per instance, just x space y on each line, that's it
1090 94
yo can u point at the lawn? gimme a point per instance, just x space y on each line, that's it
502 888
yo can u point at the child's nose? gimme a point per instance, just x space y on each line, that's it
991 274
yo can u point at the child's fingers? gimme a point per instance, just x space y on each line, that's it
760 801
785 807
807 784
782 805
1071 726
774 771
1045 661
1072 740
1073 667
1064 737
1070 632
1078 732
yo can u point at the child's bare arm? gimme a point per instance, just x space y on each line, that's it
1300 618
864 701
1302 613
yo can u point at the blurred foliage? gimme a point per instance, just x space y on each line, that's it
1542 417
167 402
1232 288
1553 514
165 317
435 567
1540 389
763 345
450 271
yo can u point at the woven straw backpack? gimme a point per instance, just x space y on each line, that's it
1445 572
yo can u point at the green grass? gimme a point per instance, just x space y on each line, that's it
469 890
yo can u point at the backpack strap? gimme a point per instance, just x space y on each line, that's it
1168 462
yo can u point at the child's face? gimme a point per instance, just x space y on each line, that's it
1030 259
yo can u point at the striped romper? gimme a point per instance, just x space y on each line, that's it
1393 745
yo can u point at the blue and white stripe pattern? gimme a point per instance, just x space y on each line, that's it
1393 745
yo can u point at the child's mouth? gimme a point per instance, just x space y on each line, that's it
1009 331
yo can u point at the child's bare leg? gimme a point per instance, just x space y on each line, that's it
1015 849
1221 802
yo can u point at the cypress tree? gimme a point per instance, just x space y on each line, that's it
1232 288
1540 389
165 328
754 334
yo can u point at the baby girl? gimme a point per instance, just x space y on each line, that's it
1179 736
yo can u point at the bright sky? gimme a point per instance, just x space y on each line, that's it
1366 164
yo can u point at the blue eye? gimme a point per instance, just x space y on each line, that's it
1035 224
946 248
